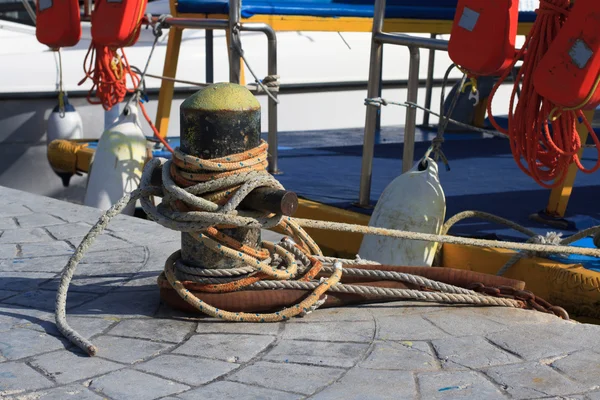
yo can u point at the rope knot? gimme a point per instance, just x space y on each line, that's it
548 8
550 239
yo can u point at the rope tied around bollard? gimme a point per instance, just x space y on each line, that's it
204 197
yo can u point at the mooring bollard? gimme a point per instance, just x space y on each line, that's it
217 121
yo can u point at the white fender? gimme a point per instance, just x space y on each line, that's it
64 125
118 161
415 202
67 125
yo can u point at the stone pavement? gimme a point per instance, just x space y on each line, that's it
400 350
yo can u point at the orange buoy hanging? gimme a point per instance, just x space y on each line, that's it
115 24
540 153
568 74
58 23
482 40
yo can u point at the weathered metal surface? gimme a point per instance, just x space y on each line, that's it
217 121
274 201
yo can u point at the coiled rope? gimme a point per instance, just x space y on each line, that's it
541 155
201 197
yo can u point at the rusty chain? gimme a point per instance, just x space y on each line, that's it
529 299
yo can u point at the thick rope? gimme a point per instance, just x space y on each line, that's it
551 238
186 207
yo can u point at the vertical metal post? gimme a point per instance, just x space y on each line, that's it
364 196
411 112
429 82
234 32
378 125
29 10
272 105
210 56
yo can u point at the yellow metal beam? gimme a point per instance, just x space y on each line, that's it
559 197
167 87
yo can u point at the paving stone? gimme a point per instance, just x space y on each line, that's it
142 280
23 281
471 352
336 314
189 370
53 264
75 392
534 342
126 350
118 385
213 325
108 269
19 377
362 331
6 293
317 353
38 220
18 317
20 343
27 250
121 256
25 236
13 210
70 366
90 284
582 366
122 304
239 391
409 327
8 223
405 356
515 316
156 329
68 231
289 377
464 322
456 385
86 326
527 380
240 348
44 299
361 384
103 243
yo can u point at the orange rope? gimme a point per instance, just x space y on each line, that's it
543 156
188 170
108 71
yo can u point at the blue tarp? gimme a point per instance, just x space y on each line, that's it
411 9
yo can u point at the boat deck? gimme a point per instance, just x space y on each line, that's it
407 350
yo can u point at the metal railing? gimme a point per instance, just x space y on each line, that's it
414 44
234 27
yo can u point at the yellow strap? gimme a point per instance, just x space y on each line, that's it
558 109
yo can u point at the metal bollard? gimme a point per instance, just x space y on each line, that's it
220 120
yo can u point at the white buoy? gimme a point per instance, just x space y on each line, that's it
65 124
415 202
118 161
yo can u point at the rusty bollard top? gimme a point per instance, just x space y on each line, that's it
219 120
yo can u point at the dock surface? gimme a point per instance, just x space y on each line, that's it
400 350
